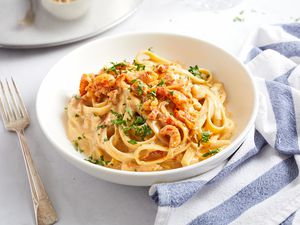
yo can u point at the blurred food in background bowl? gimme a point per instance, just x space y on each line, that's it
67 9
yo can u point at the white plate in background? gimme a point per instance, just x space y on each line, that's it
48 30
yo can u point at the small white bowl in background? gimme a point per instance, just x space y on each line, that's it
62 82
70 10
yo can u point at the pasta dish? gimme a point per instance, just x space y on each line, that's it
149 115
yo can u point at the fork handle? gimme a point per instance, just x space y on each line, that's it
43 209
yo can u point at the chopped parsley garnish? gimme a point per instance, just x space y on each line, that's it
129 111
66 108
115 68
101 126
150 49
139 127
118 121
133 81
140 88
139 121
161 83
196 72
79 138
139 67
76 115
171 92
211 152
205 136
140 106
77 97
76 145
143 131
133 142
238 19
99 161
119 118
105 139
152 94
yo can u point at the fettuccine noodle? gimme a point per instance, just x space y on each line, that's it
149 115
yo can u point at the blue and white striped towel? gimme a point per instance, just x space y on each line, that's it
259 184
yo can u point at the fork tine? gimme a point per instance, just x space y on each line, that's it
15 109
2 111
21 105
8 108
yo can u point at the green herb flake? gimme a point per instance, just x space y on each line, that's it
140 106
77 97
139 127
76 115
238 19
205 136
139 67
119 118
119 122
115 68
211 152
140 88
171 92
99 161
76 145
143 131
66 108
150 49
139 121
133 142
161 83
129 111
133 81
195 71
152 94
105 139
102 126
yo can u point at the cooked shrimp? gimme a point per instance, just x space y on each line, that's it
179 99
84 82
148 76
103 84
150 104
185 117
173 133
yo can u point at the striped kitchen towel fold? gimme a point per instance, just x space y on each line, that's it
260 183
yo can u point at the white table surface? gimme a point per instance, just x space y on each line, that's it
78 197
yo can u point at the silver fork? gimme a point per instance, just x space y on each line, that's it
16 118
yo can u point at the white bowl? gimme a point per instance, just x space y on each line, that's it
63 79
67 10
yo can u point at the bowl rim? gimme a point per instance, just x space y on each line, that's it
239 139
